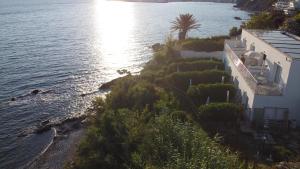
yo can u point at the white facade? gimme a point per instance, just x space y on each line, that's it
296 4
282 4
288 6
270 87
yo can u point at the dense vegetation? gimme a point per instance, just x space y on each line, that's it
205 44
272 20
147 121
215 92
266 20
255 5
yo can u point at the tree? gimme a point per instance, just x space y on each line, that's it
184 23
266 20
292 25
234 31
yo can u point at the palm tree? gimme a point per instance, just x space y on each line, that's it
184 23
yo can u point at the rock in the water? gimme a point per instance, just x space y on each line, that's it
13 99
43 123
108 85
237 18
36 91
157 46
43 129
83 94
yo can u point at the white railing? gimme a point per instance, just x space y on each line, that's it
243 70
255 86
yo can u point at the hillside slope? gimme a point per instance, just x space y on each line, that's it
255 5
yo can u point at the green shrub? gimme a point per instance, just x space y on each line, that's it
181 80
205 45
281 153
177 145
292 26
184 60
216 93
266 20
195 66
132 93
234 31
219 112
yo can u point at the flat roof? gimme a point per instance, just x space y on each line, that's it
283 41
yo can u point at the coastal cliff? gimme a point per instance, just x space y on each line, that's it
166 1
255 5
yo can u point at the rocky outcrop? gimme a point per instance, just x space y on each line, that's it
35 92
63 127
108 85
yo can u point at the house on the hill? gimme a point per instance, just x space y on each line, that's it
265 66
287 6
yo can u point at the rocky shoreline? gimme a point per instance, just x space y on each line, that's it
66 136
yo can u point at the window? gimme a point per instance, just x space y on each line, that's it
278 71
252 47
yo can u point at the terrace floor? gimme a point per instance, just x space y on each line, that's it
256 76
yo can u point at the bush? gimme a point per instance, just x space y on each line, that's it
204 45
216 93
126 139
220 112
266 20
177 145
132 93
181 80
292 25
281 153
195 66
234 31
184 60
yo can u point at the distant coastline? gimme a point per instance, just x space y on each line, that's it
167 1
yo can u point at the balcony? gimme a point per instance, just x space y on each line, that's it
255 76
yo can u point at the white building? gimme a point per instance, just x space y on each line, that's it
288 6
265 66
282 4
295 4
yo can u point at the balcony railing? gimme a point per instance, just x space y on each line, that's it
255 86
243 70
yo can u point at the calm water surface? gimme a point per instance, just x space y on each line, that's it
69 47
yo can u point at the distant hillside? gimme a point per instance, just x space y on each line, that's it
255 5
165 1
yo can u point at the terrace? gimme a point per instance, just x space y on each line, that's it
253 69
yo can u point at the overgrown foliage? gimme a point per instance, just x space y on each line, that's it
182 80
234 31
266 20
292 25
220 112
204 45
200 65
215 92
144 123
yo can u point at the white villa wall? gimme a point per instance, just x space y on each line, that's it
194 54
293 89
289 77
240 82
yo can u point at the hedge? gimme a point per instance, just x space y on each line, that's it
195 59
195 66
219 112
181 80
216 93
205 45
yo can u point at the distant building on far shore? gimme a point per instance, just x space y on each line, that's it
287 6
